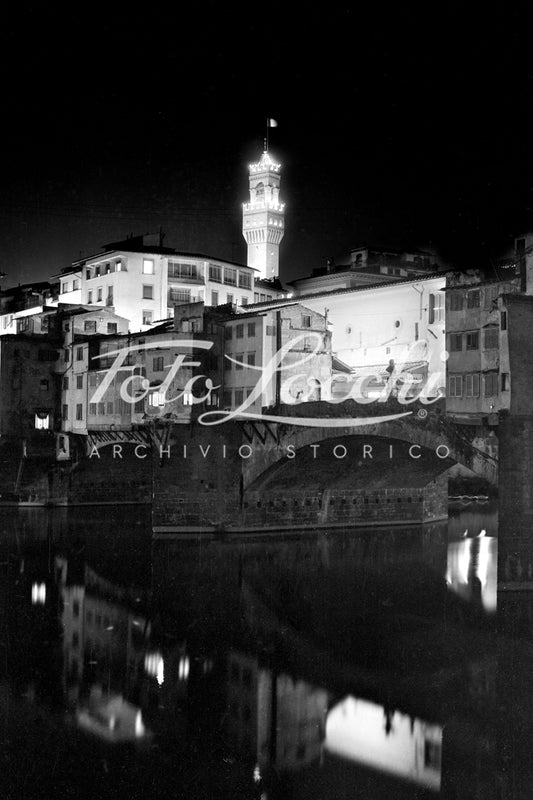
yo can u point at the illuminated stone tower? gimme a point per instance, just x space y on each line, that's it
263 223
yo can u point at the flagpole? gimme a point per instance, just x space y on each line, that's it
266 138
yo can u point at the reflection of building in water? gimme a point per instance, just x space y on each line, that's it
472 570
272 717
388 741
99 629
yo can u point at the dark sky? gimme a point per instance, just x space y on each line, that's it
407 124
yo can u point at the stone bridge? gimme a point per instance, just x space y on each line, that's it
424 427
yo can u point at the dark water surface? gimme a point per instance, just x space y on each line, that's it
346 664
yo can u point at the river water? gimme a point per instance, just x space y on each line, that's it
345 664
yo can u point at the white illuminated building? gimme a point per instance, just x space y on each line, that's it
263 223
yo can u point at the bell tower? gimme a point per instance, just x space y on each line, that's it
263 222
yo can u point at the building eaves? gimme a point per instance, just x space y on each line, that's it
334 292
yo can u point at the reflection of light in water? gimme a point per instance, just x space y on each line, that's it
388 741
38 594
472 565
155 666
140 730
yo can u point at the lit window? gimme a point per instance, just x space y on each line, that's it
156 399
148 266
147 317
42 421
188 398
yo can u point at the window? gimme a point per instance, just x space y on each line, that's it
65 411
87 274
65 382
110 407
229 298
491 337
147 317
455 385
244 301
92 409
503 320
226 398
227 362
23 324
79 354
456 301
188 399
148 266
107 269
239 397
230 276
256 297
179 296
90 297
228 332
455 342
180 270
112 327
239 331
306 321
89 326
66 354
79 381
251 329
491 294
64 287
101 409
44 385
156 399
472 340
158 363
42 420
79 411
505 382
214 298
148 291
240 359
109 301
215 273
245 280
436 308
472 385
250 359
99 295
97 272
270 330
472 299
490 380
75 285
120 266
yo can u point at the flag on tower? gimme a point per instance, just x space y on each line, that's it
272 123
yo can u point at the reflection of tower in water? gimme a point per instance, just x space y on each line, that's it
475 569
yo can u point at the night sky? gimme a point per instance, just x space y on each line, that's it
410 126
